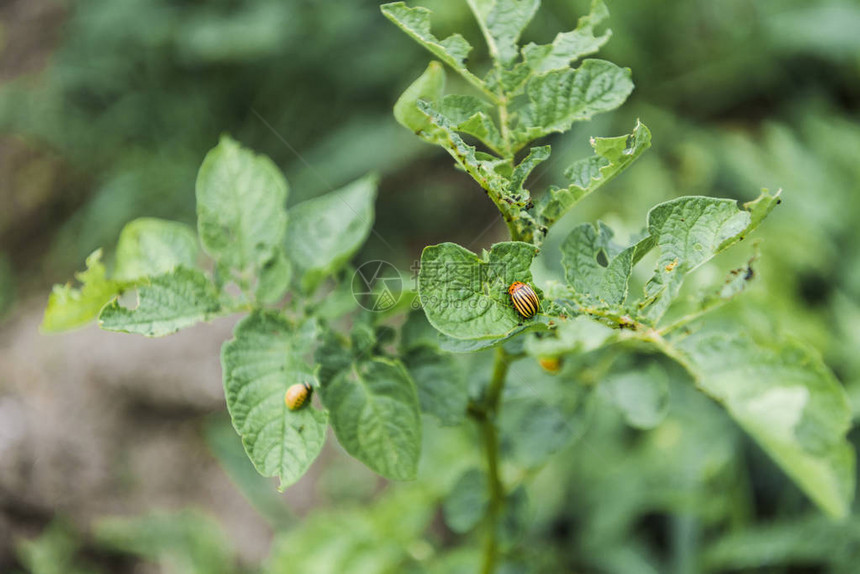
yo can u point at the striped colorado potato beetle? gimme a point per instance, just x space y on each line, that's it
298 395
524 299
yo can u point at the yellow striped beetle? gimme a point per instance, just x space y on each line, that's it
297 395
524 299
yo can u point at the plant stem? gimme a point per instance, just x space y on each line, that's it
490 436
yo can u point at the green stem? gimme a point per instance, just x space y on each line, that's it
490 436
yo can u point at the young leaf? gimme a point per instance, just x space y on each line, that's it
481 167
259 364
559 98
689 231
453 50
428 87
569 46
466 296
241 206
376 417
166 304
502 22
787 400
149 246
69 308
612 156
593 283
470 115
442 391
326 231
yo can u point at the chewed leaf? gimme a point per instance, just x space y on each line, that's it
788 401
689 231
594 283
166 304
559 98
453 50
503 21
570 46
259 364
612 156
69 308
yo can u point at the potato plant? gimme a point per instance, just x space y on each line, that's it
383 373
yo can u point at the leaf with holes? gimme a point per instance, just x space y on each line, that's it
166 304
69 308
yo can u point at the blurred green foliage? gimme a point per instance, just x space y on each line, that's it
738 94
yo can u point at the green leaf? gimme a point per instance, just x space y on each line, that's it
642 395
274 278
326 231
465 505
429 87
453 50
502 22
612 156
166 304
69 308
241 206
559 98
442 391
522 171
787 400
376 417
569 46
466 296
470 115
533 430
186 541
263 360
481 167
149 246
596 281
689 231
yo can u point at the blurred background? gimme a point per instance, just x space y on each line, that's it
115 451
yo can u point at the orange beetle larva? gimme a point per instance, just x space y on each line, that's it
297 396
